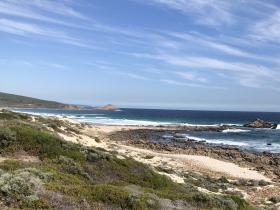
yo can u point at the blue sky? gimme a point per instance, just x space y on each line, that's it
185 54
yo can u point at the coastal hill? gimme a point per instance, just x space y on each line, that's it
17 101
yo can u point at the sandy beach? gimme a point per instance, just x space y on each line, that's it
178 162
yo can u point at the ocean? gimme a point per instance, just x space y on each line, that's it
251 139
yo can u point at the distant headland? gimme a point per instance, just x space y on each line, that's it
17 101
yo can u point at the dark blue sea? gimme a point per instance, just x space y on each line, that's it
252 139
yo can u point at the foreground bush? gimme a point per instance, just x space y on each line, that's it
22 187
7 138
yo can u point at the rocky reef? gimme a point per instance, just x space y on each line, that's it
264 162
259 123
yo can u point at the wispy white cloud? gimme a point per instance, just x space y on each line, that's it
208 42
57 7
209 63
178 83
189 84
213 43
210 12
17 8
191 76
249 81
27 29
115 69
132 75
34 9
268 29
55 12
219 12
246 74
54 65
46 11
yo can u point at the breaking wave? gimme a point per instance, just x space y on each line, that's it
235 131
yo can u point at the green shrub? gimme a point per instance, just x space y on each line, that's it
263 183
149 156
97 139
275 199
72 167
22 187
207 182
7 137
242 204
92 155
12 165
223 179
116 196
45 176
8 115
250 183
44 144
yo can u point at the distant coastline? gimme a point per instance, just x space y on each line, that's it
22 102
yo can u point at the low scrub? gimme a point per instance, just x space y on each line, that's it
8 115
7 138
21 188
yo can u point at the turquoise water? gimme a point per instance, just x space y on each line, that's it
253 139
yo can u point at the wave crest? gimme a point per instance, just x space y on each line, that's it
213 141
235 131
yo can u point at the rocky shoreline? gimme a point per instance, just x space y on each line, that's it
264 162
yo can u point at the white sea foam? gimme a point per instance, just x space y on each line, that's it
167 136
226 142
254 145
110 121
274 147
213 141
92 114
101 118
235 131
37 114
278 127
231 124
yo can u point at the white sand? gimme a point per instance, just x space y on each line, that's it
194 162
179 163
225 167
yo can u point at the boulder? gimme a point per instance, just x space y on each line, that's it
258 123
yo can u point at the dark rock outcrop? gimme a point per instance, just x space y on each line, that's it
258 123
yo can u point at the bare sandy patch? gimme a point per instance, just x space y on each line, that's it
181 162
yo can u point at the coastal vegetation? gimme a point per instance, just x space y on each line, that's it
16 101
65 175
